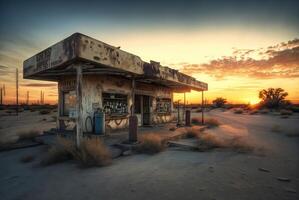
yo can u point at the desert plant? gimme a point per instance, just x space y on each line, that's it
196 120
219 102
208 141
295 109
253 112
238 111
28 134
150 144
56 154
192 133
211 122
27 158
44 112
92 152
286 112
264 111
273 97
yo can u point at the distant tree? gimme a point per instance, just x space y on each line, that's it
219 102
273 97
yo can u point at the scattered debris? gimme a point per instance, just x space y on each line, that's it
290 190
263 169
283 179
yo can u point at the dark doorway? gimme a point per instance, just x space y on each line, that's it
146 110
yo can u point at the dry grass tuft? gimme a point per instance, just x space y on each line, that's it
192 133
28 134
44 112
264 111
286 112
276 128
238 111
92 152
27 158
150 144
253 112
212 122
196 120
208 141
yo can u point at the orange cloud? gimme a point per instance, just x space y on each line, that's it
282 61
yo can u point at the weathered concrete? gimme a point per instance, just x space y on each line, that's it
98 57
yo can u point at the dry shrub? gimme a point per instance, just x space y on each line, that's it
196 120
192 133
286 112
212 122
44 112
150 144
264 111
238 111
92 152
276 128
28 134
284 116
207 141
209 122
253 112
27 158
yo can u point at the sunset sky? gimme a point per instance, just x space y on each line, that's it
237 47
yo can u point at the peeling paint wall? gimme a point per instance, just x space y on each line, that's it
95 85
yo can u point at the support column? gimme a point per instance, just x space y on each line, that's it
202 109
79 130
133 120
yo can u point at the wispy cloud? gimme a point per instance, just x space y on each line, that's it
278 61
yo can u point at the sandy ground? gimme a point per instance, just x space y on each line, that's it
172 174
11 125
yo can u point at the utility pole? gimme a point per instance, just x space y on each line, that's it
202 108
27 98
1 96
17 91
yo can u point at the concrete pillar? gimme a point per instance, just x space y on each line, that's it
133 120
202 109
79 130
188 118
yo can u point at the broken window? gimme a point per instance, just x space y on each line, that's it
163 105
115 104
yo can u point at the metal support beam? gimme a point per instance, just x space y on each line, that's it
202 109
79 130
17 91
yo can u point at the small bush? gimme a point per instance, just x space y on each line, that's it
44 112
29 134
238 111
27 158
92 152
264 111
276 128
192 133
196 120
286 112
253 112
212 122
208 141
150 144
55 155
295 109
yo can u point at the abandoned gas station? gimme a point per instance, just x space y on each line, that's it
103 88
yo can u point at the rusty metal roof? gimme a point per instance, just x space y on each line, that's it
97 57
